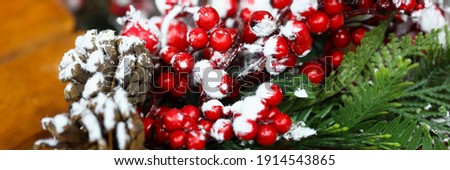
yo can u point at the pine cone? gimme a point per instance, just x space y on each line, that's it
103 62
102 122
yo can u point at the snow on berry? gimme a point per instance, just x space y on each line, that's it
195 140
201 69
206 17
222 130
173 120
262 23
220 40
216 84
271 93
277 47
212 109
245 128
301 7
182 62
254 108
225 8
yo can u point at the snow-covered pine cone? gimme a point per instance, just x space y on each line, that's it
103 62
101 122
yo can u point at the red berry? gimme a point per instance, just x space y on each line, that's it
212 110
247 34
220 40
407 5
233 33
318 22
191 111
336 58
273 112
181 88
336 22
183 62
195 140
358 35
166 81
277 47
116 7
282 123
341 38
364 4
262 23
314 72
144 30
333 7
198 38
245 15
207 17
167 53
173 120
244 128
290 61
176 36
293 30
148 122
281 4
254 108
205 125
189 123
161 135
271 93
302 47
267 135
222 130
177 139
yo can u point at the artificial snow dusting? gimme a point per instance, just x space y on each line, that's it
301 93
217 129
207 106
241 126
432 18
213 84
122 135
264 90
200 68
299 6
60 122
252 105
264 28
289 30
221 6
299 131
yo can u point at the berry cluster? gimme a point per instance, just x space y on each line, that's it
198 48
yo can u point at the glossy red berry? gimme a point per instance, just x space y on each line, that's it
271 93
191 111
220 40
318 22
247 34
244 128
177 139
173 120
245 15
333 7
267 135
273 112
205 125
290 61
280 4
293 30
222 130
189 123
212 110
166 81
144 30
336 22
233 33
336 58
167 53
207 17
314 72
195 140
161 136
177 36
198 38
276 47
407 5
148 123
282 123
341 38
183 62
262 23
358 35
180 87
301 47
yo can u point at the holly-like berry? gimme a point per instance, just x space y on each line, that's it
207 17
262 23
198 38
290 61
406 5
314 72
173 120
180 87
222 130
271 93
336 58
161 136
293 30
177 139
258 109
336 22
148 123
318 22
191 111
205 125
280 4
220 40
282 123
341 38
358 35
301 47
143 29
189 123
273 112
182 62
244 128
277 47
167 53
245 15
195 140
333 7
166 81
267 135
217 89
212 110
177 36
247 34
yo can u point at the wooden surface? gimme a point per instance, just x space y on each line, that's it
33 37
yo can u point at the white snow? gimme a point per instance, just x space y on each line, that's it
128 42
49 142
221 6
199 69
300 6
270 47
428 107
241 126
60 122
264 90
299 131
96 58
123 3
301 93
253 48
264 28
213 84
121 100
251 106
122 135
432 18
289 30
93 85
85 42
92 125
217 131
207 106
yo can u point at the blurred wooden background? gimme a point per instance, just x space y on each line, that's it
34 35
